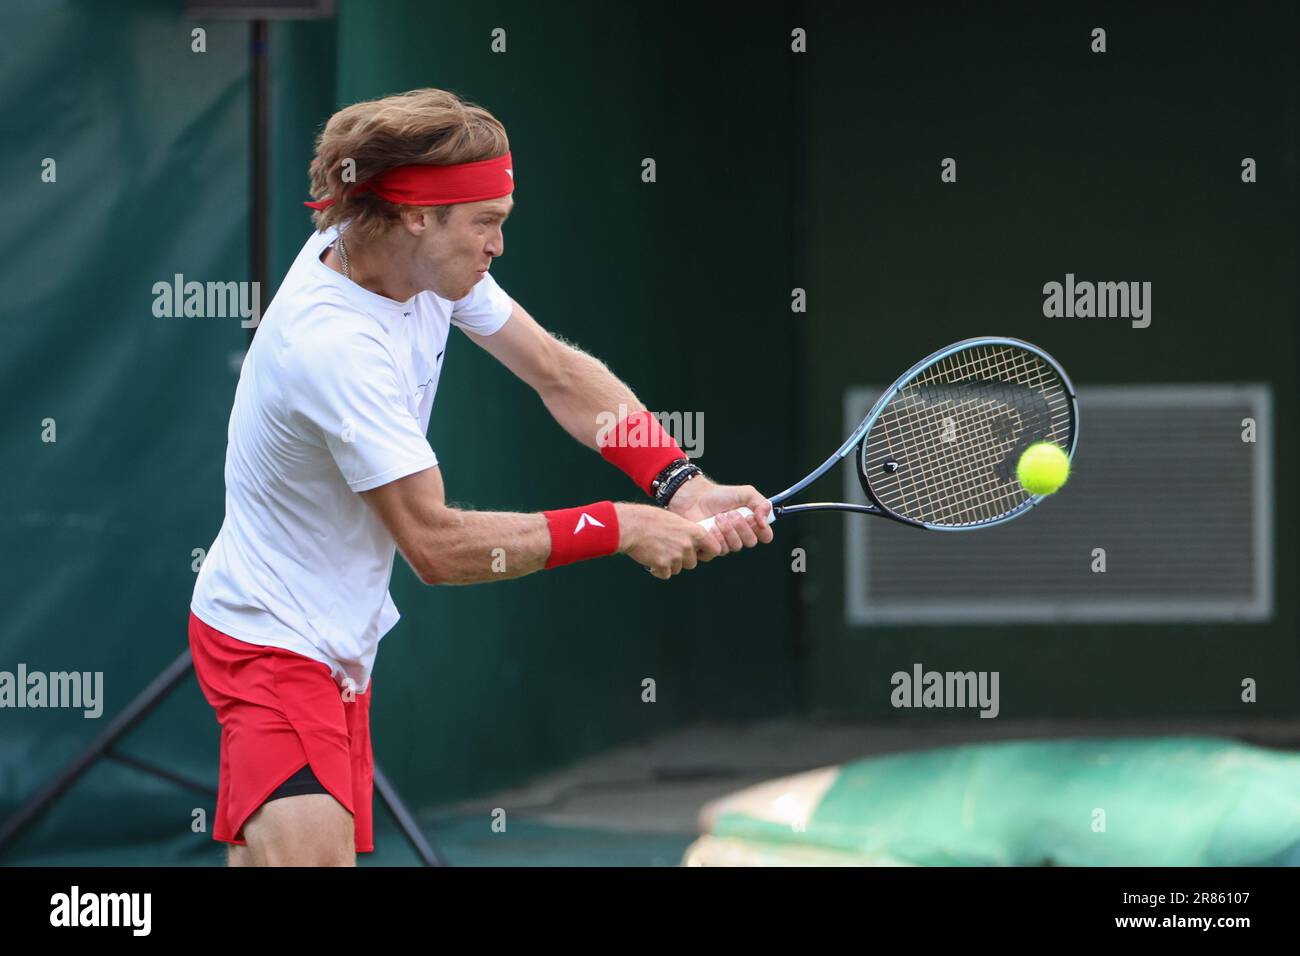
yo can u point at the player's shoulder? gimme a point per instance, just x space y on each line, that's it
323 311
330 337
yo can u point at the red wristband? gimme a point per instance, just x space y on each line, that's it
640 448
581 533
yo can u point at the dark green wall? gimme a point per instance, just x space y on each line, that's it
1122 165
99 527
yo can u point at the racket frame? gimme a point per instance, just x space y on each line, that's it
859 434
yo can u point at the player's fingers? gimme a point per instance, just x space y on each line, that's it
761 507
688 558
745 527
714 548
741 529
762 532
730 524
761 520
708 544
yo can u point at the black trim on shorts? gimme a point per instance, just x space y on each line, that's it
304 781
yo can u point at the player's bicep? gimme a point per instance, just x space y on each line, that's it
524 347
411 509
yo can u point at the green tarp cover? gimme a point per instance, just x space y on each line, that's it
1148 802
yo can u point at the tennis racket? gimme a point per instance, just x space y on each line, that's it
939 449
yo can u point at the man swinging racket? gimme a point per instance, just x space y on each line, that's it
328 472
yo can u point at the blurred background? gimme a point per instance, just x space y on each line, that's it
785 161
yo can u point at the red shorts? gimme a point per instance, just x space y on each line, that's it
278 712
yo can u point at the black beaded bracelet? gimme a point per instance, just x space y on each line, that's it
671 479
668 471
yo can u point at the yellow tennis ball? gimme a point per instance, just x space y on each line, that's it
1043 468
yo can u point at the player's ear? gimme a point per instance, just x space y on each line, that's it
416 219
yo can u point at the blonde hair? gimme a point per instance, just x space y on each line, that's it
423 127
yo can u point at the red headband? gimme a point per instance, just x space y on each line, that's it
439 185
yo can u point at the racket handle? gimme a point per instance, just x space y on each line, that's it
708 523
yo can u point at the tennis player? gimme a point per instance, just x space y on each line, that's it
328 471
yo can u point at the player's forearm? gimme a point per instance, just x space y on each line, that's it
586 398
471 547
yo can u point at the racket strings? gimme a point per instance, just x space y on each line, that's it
930 421
954 433
961 492
942 423
1021 414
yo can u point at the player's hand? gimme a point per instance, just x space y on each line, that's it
660 541
700 498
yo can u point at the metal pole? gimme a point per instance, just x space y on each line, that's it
261 149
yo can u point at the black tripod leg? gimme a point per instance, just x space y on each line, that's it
404 820
144 702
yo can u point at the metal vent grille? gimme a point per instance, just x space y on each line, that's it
1162 482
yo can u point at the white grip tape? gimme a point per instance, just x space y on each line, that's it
708 523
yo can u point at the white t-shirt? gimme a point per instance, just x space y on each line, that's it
334 398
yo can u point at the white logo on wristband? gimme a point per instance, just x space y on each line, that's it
585 520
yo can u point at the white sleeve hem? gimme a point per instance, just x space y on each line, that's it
392 474
492 329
